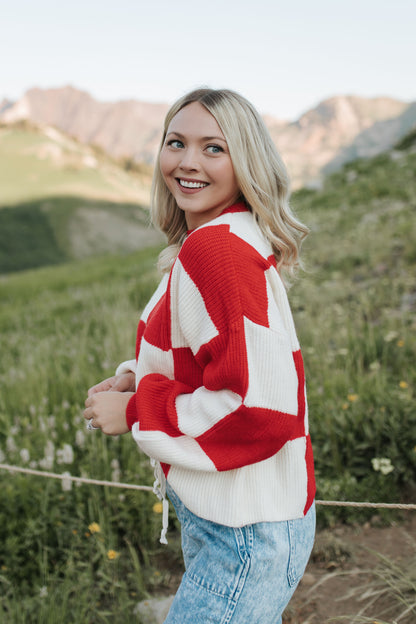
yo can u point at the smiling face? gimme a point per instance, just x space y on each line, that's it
196 165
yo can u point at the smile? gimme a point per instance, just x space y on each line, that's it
192 185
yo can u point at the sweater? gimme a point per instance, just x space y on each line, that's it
220 402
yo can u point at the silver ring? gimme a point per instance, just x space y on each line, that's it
90 426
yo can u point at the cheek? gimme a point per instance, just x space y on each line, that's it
165 164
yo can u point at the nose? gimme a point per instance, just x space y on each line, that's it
189 160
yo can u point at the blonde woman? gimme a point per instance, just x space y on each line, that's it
216 394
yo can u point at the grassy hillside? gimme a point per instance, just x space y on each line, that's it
63 328
60 200
356 311
43 162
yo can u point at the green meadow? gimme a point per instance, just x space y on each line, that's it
90 553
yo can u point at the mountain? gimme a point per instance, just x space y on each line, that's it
322 139
338 130
122 129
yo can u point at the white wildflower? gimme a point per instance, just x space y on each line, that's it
24 455
80 438
116 473
32 410
390 336
66 405
43 592
382 464
14 430
65 455
66 483
11 445
47 462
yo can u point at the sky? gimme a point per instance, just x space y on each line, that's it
284 56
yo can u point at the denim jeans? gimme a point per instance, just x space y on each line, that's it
243 575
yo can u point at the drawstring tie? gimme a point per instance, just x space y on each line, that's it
159 488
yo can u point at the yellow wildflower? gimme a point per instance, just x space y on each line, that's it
345 406
112 554
403 385
400 343
94 527
352 397
158 507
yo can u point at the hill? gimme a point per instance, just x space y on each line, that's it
335 131
61 200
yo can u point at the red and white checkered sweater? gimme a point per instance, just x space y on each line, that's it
220 398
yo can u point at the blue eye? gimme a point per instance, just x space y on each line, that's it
175 143
215 149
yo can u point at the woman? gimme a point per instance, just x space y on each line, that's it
216 395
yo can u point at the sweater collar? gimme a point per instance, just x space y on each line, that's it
238 207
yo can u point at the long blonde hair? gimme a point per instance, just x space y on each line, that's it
259 170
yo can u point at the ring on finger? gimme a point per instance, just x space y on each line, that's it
90 426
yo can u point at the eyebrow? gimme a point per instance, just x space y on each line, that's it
207 138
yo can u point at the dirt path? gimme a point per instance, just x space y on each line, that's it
341 572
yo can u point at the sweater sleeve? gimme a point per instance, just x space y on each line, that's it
230 395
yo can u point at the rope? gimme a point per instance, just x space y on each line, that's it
366 504
132 486
63 477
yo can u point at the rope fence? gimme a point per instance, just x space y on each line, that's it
148 488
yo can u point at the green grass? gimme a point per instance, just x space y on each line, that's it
63 328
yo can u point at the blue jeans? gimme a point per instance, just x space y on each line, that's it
241 575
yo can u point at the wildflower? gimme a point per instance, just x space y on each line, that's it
94 527
345 406
65 455
353 397
24 455
116 474
49 454
80 438
158 507
112 554
382 464
66 483
403 385
375 366
343 351
390 336
43 592
400 343
11 445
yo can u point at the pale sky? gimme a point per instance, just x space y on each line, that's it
284 56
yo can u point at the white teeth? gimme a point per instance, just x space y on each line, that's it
187 184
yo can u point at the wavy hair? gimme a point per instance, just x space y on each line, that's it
259 171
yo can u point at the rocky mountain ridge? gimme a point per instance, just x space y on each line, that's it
338 129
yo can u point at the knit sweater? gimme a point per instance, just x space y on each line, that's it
220 399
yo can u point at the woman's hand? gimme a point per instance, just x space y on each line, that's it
125 382
107 411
